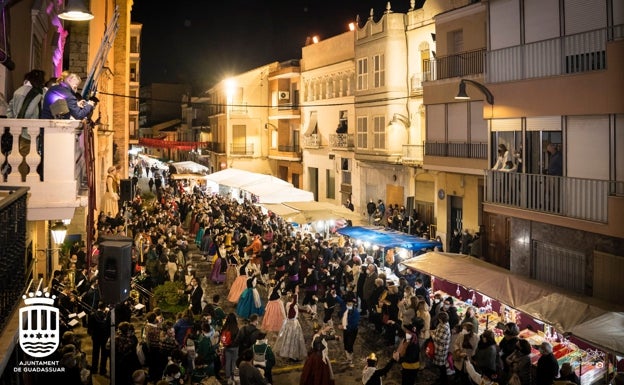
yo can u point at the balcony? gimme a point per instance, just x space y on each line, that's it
46 157
286 152
412 154
13 266
576 53
457 150
452 66
341 141
577 198
242 149
312 141
215 147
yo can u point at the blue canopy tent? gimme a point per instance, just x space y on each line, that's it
387 239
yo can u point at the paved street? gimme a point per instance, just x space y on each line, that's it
287 373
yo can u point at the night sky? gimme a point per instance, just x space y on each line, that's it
200 42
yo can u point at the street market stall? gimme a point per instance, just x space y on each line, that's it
387 239
381 243
276 192
188 167
545 312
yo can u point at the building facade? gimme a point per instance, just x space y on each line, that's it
455 146
328 116
555 71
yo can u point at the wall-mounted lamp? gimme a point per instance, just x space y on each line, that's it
58 230
75 10
400 118
267 125
462 95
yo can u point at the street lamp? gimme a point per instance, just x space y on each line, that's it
58 230
75 10
462 95
400 118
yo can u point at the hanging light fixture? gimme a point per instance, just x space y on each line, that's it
462 95
75 10
58 230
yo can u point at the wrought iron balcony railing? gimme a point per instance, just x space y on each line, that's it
457 150
452 66
241 149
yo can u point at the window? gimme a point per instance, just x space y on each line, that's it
379 132
239 139
362 74
331 184
343 127
362 132
312 124
379 71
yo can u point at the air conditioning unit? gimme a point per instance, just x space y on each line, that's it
284 95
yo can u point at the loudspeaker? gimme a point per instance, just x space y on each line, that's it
115 270
126 190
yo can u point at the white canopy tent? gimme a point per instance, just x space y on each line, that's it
271 192
304 212
189 167
267 188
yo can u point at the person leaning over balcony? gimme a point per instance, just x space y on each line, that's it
67 89
503 157
26 101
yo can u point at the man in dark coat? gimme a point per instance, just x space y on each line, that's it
99 328
195 293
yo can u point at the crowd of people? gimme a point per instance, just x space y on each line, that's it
272 276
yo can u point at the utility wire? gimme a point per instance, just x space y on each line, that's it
380 100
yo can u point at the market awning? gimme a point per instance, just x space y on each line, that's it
566 311
189 167
388 238
218 176
275 192
314 211
606 331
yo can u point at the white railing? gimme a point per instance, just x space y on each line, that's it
341 140
312 141
571 197
44 155
580 52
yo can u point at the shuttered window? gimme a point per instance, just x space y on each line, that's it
541 20
505 21
584 15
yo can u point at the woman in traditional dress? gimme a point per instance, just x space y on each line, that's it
317 369
249 301
232 267
110 201
219 267
240 283
290 341
274 313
